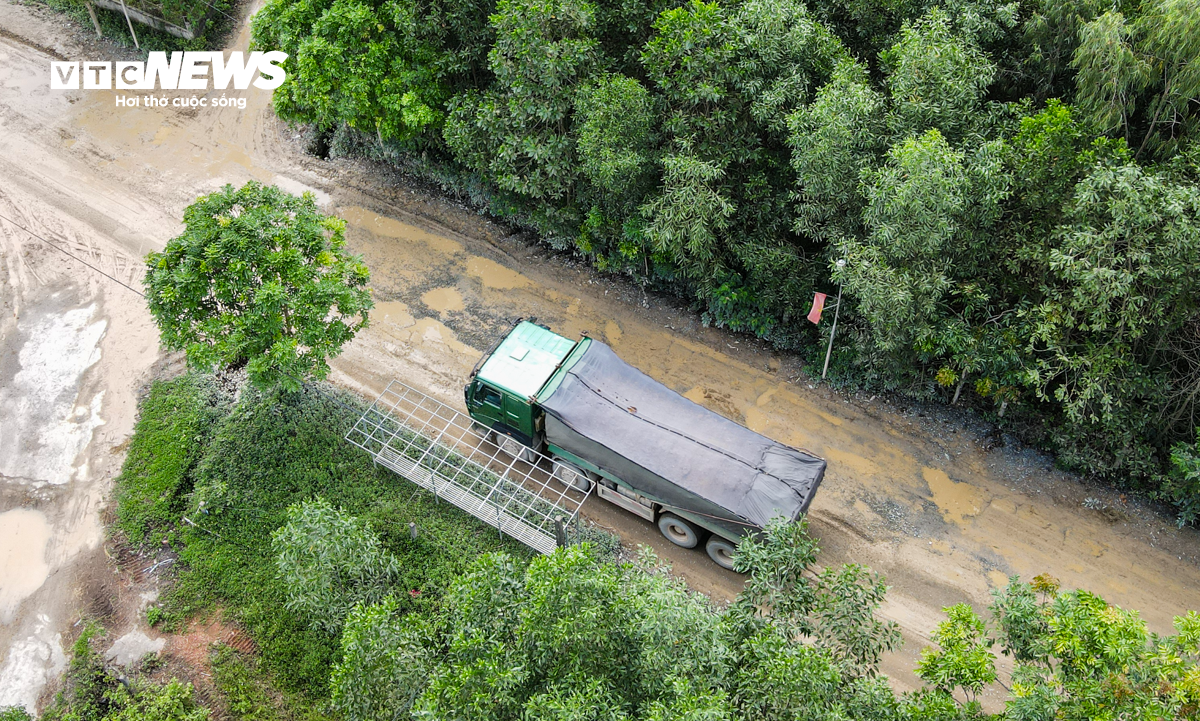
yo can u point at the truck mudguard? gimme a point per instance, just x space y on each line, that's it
612 415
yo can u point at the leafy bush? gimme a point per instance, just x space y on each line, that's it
1183 484
329 561
963 659
1091 660
384 666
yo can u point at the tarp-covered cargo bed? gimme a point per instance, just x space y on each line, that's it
612 415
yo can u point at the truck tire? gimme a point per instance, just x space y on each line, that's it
571 476
720 551
514 448
678 531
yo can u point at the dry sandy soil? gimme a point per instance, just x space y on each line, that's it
918 494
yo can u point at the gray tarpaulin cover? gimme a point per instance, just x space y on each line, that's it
609 413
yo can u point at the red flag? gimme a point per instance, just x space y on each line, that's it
814 315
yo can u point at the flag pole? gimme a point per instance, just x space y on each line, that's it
836 311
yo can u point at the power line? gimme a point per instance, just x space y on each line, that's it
303 383
128 287
67 252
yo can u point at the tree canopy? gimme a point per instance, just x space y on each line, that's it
261 279
573 636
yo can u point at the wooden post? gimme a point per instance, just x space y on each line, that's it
95 23
130 22
560 532
412 531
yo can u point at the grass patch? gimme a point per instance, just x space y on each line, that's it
235 483
238 680
174 427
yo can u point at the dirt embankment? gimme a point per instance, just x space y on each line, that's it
920 496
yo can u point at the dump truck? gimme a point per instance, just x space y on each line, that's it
703 479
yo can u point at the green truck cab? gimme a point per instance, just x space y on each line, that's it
603 424
502 394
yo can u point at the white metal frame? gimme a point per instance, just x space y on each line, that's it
442 450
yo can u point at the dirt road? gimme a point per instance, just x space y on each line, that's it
913 493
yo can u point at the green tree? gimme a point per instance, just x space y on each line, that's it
835 607
1109 72
1020 618
385 663
329 561
259 278
1082 658
834 140
687 219
936 77
615 120
1169 33
964 659
1140 76
916 275
1122 284
1052 32
691 60
386 69
518 133
785 55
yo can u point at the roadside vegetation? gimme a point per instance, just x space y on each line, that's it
1011 185
220 20
270 452
287 531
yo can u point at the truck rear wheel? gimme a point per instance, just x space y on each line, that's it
678 531
571 476
514 448
720 551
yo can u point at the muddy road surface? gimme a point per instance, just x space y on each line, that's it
920 495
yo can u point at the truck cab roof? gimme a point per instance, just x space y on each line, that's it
525 359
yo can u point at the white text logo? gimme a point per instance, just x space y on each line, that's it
184 71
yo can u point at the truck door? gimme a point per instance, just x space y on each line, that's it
488 405
517 415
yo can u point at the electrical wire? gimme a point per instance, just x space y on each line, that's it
303 383
69 253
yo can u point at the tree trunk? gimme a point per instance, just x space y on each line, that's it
958 390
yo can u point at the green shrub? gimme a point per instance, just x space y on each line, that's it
1182 486
329 561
